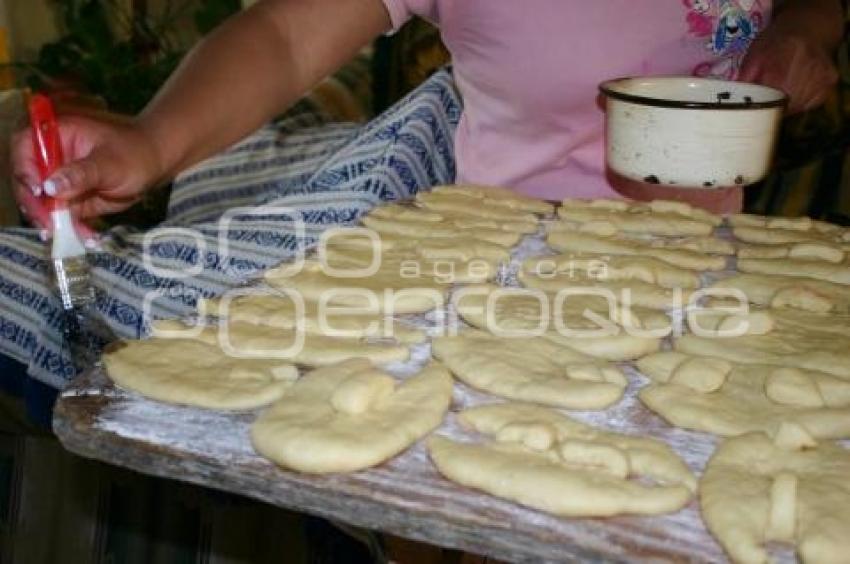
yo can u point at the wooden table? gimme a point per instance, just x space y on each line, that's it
406 496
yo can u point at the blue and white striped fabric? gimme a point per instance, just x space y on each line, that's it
327 174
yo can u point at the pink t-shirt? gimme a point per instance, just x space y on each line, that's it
528 71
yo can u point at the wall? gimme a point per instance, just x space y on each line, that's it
31 23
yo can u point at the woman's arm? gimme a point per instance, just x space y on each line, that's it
253 67
795 53
250 69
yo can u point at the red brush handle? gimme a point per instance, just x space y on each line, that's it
45 136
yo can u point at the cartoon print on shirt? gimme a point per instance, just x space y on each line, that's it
700 19
730 26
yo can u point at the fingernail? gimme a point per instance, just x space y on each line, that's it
42 234
50 187
36 190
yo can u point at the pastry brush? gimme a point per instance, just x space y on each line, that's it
79 324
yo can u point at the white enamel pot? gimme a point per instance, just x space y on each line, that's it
690 132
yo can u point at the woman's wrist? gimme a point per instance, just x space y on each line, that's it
161 150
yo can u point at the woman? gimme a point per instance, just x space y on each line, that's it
527 72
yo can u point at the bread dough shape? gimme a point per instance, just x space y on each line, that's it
805 251
605 268
453 204
443 229
789 223
754 490
408 295
280 312
785 230
519 315
602 228
497 196
531 369
251 340
790 292
523 310
754 220
681 210
801 345
753 322
443 271
190 372
635 292
772 236
350 416
464 248
708 245
637 220
818 270
750 397
545 460
573 242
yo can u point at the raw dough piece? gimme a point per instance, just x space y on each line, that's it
755 490
806 251
660 208
772 222
636 220
604 268
574 242
194 373
708 245
746 220
531 369
836 273
497 196
444 229
765 236
637 292
251 340
515 309
547 461
472 223
785 230
519 315
350 416
790 292
790 345
407 295
726 323
749 398
454 204
464 248
280 311
700 244
407 213
405 264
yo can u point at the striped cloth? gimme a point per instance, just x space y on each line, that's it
230 218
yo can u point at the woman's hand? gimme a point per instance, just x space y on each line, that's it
793 63
796 52
108 167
